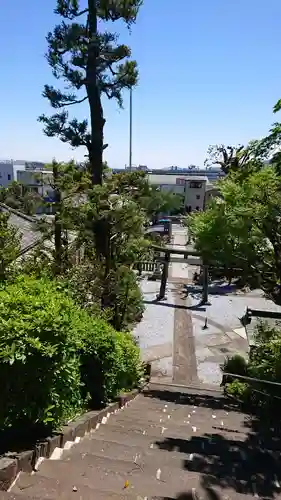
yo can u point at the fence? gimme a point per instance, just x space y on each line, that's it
149 267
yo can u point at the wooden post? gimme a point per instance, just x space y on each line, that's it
170 229
164 277
205 285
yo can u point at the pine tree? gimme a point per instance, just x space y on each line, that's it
92 64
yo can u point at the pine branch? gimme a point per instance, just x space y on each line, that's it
59 99
69 9
81 56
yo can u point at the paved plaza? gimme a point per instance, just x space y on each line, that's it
186 342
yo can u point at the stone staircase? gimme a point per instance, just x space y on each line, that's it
165 445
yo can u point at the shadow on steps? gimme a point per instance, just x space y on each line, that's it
192 396
250 466
208 494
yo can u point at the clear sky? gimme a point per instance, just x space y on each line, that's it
210 73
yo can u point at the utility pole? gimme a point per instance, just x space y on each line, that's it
131 129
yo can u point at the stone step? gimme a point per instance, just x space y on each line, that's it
162 433
112 481
156 449
45 488
60 490
147 403
4 495
138 466
193 389
210 399
102 448
105 433
217 421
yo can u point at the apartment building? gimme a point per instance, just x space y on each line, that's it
192 188
6 172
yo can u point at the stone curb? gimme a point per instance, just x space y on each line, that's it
11 464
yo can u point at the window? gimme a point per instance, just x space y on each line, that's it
198 197
195 185
197 208
9 177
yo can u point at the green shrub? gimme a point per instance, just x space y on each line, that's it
128 299
235 364
123 306
39 365
264 364
55 357
238 390
110 362
132 369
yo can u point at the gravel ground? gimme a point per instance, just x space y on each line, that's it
227 309
157 325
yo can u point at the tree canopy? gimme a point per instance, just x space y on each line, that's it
92 63
242 229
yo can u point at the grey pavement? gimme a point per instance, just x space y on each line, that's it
172 334
155 331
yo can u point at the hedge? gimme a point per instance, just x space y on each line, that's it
55 358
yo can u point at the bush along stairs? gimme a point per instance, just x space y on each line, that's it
167 443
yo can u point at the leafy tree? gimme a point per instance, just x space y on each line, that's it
9 245
92 64
234 159
269 146
239 230
151 199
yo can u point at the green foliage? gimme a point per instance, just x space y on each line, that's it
238 390
55 357
87 284
242 230
9 246
239 160
38 358
127 299
20 198
110 362
235 364
92 64
264 364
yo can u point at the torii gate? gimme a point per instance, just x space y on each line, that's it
166 261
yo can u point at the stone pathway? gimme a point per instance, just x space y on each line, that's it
172 334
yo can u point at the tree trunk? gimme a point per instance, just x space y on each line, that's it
58 226
97 120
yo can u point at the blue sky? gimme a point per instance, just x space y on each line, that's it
210 73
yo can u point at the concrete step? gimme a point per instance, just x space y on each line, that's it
4 495
169 431
105 433
138 466
152 404
217 421
121 451
201 389
111 480
44 488
210 399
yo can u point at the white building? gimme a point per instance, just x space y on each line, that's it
6 172
190 187
38 181
212 173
